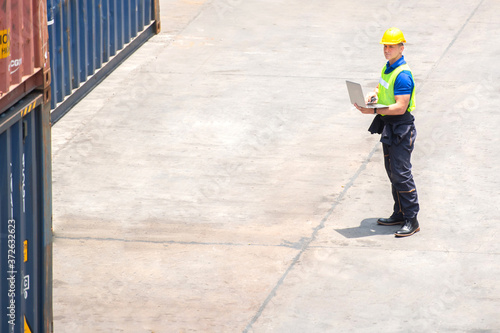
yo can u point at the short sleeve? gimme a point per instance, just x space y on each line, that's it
404 84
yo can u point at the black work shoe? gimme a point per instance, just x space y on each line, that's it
409 228
391 221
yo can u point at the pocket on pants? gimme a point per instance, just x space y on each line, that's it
400 132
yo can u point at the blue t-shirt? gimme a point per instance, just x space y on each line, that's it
404 82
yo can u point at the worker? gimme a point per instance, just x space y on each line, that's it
396 89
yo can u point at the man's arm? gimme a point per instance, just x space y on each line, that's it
398 108
392 110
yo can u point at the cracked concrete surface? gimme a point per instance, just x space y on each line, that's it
219 180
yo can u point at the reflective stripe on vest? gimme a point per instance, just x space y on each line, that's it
386 87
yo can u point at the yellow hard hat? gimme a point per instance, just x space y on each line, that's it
393 36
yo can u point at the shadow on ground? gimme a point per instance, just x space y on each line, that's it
367 228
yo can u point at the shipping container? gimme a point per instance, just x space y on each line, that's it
24 50
25 217
89 38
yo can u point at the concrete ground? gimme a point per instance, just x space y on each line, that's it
220 181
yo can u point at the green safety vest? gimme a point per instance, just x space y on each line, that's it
386 87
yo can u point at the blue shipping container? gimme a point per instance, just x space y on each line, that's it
25 217
89 38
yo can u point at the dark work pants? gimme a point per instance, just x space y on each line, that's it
397 157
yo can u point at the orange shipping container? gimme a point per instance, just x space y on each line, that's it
24 50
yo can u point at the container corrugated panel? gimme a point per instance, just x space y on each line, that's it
24 57
86 35
25 217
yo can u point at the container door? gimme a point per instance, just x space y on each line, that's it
23 257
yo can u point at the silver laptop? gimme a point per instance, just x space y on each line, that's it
357 96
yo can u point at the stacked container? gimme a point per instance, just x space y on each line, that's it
25 168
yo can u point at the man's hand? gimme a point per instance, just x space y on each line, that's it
371 98
363 110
